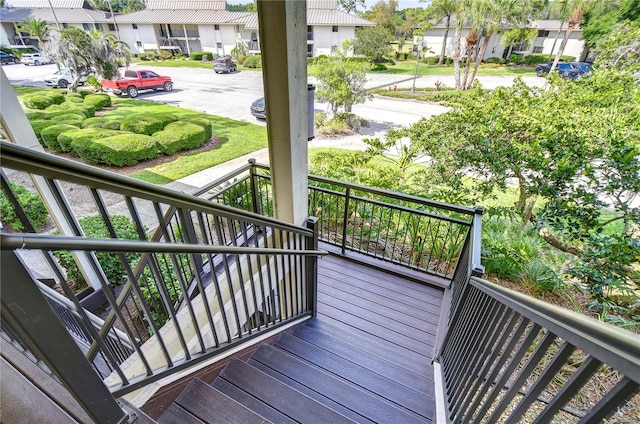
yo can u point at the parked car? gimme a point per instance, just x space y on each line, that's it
566 70
137 80
584 67
224 64
8 58
63 78
258 109
34 59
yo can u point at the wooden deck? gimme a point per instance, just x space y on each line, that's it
365 358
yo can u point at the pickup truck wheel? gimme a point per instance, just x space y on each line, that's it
132 91
168 86
63 84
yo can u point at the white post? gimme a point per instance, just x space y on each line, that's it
283 37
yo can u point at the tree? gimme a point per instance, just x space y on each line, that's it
350 6
38 28
575 146
621 49
340 82
118 6
82 51
373 42
383 14
444 9
518 35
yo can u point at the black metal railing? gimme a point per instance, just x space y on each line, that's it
189 278
512 358
409 231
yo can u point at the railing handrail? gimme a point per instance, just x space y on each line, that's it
611 345
37 241
382 192
52 166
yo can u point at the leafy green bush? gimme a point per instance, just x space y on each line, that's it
70 118
565 58
39 124
203 122
198 55
87 110
67 138
31 203
37 101
34 114
378 67
94 227
516 59
77 100
117 150
180 136
111 125
50 135
431 60
535 59
84 92
95 122
98 101
147 123
253 61
498 60
142 56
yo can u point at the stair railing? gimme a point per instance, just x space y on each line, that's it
252 273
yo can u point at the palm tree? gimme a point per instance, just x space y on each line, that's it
577 8
38 28
440 9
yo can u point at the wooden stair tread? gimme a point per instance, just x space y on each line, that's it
376 383
350 396
213 407
415 362
368 360
285 399
175 414
251 402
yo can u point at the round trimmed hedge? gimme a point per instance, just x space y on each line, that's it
33 114
40 124
67 138
71 118
203 122
147 123
67 107
98 101
118 150
37 102
180 136
76 100
50 135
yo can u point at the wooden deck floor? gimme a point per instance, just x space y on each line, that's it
365 358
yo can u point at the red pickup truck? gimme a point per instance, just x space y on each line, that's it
137 80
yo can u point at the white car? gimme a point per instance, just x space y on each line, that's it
34 59
63 78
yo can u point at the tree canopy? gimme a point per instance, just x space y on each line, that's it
340 82
373 42
118 6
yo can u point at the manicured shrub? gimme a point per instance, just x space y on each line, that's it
253 61
38 101
50 135
203 122
516 59
142 56
180 136
31 203
76 100
118 150
57 96
98 101
565 58
67 107
111 125
378 67
74 96
431 60
94 227
33 114
39 124
198 55
95 122
499 60
535 59
66 139
70 118
146 123
84 92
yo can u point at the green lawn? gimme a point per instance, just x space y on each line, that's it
236 138
184 64
409 67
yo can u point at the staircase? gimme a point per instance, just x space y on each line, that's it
365 358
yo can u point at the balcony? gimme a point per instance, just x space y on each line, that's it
373 312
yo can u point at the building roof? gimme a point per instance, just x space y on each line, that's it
62 4
71 16
186 5
185 16
335 17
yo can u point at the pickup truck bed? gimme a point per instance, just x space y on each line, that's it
136 80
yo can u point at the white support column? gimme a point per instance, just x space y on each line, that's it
283 38
19 131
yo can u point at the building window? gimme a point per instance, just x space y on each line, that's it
97 26
65 25
543 33
334 28
237 29
218 45
135 26
309 50
86 27
334 49
309 32
537 49
139 43
112 27
216 27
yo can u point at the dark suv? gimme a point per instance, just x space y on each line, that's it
8 58
566 70
224 64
